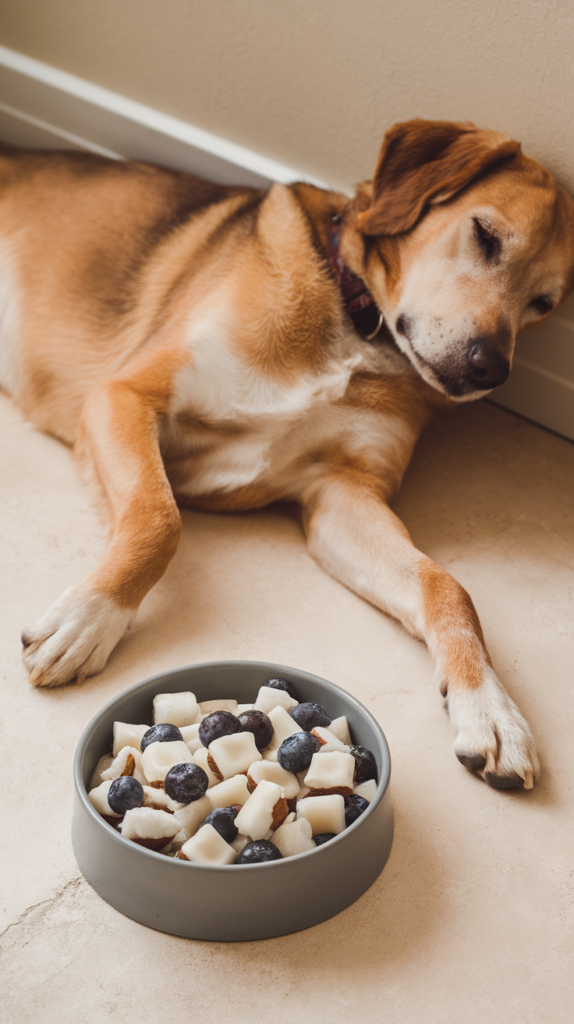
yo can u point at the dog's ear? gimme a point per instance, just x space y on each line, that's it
427 162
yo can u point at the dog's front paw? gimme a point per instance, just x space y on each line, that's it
74 638
493 739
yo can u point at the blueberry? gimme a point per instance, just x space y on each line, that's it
216 725
354 807
259 724
309 716
258 852
163 733
186 783
223 821
282 684
323 838
365 764
296 751
124 794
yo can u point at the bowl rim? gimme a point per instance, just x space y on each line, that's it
160 858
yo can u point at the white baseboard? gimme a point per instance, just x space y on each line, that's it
45 107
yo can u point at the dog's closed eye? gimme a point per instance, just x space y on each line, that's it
542 305
488 241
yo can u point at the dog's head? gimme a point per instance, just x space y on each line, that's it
463 241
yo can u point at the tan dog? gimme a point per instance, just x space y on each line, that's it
210 347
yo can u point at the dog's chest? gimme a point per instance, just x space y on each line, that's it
236 431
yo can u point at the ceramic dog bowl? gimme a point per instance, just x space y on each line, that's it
234 902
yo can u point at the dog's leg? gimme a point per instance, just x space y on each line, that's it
118 435
361 542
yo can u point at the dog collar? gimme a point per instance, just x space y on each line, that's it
359 302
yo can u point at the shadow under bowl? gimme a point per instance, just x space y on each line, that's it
230 903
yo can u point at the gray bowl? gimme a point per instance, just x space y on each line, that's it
230 903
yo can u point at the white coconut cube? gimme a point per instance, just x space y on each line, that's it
271 771
328 741
294 837
283 726
176 708
190 736
232 791
99 799
233 754
269 698
208 706
366 789
105 762
159 799
244 707
239 842
340 728
200 757
325 813
208 847
192 815
158 758
332 771
265 809
128 762
126 735
149 823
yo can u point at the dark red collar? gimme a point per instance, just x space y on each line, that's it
359 303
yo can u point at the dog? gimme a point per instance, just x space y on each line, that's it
223 348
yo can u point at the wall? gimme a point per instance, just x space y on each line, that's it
314 83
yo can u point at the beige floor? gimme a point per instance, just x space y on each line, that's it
472 919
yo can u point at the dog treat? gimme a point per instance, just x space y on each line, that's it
238 784
282 684
328 740
331 773
232 791
308 716
176 708
192 815
159 799
217 724
283 726
128 762
201 757
190 735
325 813
271 771
127 736
294 837
232 755
158 758
259 724
207 847
99 800
207 707
365 764
366 789
270 697
186 783
163 733
263 812
150 828
258 852
340 728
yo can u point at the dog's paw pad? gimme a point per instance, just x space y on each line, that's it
511 781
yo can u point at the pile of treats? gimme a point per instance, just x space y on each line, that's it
227 783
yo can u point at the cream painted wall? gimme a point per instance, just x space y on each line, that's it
314 83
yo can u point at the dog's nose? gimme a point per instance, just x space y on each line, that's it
487 367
